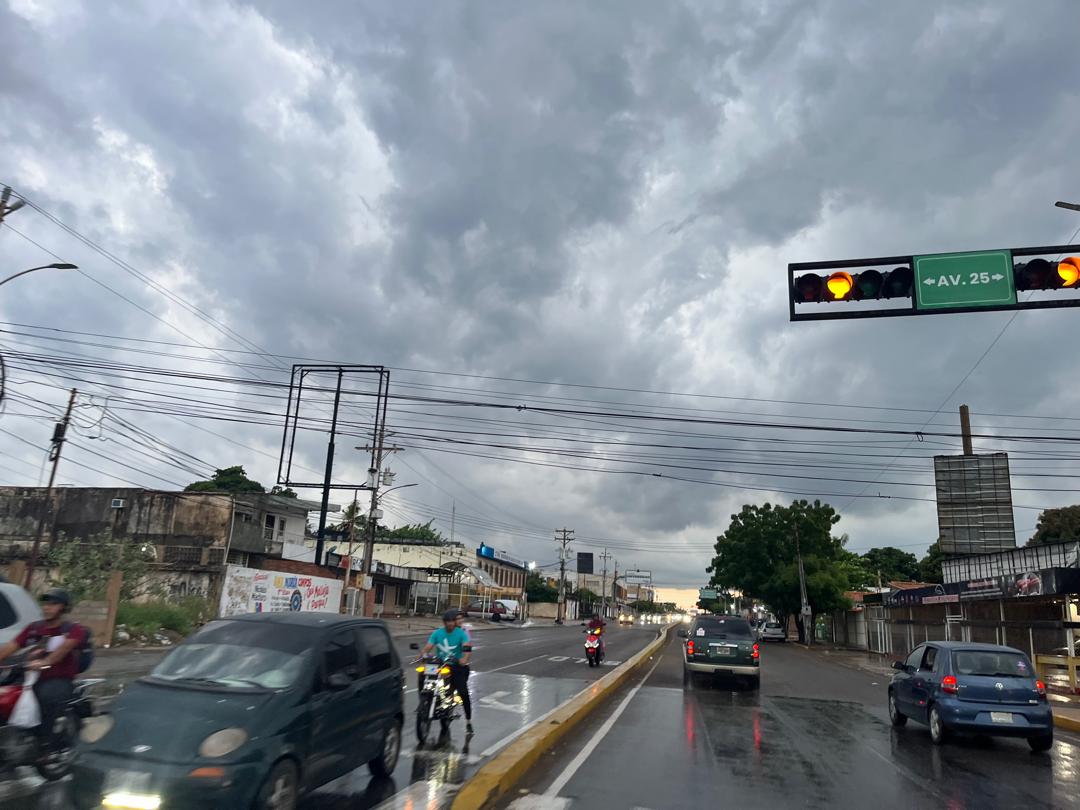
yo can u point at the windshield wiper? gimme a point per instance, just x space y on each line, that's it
218 681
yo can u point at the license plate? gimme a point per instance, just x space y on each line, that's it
431 669
117 781
1001 717
716 649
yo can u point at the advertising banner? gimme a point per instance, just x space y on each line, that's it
1042 582
248 590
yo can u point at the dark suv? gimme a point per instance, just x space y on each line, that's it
721 645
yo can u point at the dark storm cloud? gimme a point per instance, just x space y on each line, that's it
602 193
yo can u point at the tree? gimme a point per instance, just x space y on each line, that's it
353 517
1060 525
757 556
891 563
84 568
230 479
282 492
930 565
417 531
537 590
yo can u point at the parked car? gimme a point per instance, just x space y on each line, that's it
953 686
721 645
772 631
495 609
17 609
250 711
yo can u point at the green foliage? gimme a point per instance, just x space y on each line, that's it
757 556
352 516
537 590
180 617
585 595
417 531
930 565
230 479
84 568
1057 526
282 492
891 563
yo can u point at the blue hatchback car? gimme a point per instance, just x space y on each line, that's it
974 688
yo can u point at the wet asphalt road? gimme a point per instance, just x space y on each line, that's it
816 736
519 674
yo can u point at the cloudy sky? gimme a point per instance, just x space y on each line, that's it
587 207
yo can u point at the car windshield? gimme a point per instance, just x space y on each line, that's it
992 663
238 655
773 625
723 628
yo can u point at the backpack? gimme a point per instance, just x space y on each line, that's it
86 651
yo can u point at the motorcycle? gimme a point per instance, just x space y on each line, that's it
594 647
437 699
22 746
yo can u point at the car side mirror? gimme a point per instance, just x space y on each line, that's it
899 665
338 681
414 646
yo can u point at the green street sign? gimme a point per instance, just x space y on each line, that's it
705 594
951 280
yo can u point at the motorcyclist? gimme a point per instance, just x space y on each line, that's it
59 663
597 625
452 646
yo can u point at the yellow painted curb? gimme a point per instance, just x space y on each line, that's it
1067 723
507 767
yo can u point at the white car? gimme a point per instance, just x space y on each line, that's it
773 631
17 609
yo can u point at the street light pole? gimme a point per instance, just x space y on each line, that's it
1068 205
54 266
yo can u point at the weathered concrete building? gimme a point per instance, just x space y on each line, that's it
190 534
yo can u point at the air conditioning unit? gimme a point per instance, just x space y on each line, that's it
117 503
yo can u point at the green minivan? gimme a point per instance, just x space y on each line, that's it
721 645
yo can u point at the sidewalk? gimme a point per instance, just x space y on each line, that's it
1066 708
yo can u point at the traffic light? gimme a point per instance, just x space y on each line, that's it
868 285
1040 274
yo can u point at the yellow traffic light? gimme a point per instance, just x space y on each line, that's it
1069 271
839 285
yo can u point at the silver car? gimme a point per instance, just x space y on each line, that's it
17 609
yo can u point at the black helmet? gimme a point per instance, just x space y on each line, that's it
451 615
57 595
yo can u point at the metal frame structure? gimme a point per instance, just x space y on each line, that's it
797 268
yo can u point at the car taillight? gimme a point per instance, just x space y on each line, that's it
949 685
757 651
689 648
1040 687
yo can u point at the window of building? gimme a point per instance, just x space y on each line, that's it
281 528
192 555
268 528
380 593
402 596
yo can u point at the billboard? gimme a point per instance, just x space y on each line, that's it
1022 585
585 562
249 590
974 503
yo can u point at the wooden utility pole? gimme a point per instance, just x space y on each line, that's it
563 538
805 611
965 430
59 433
381 451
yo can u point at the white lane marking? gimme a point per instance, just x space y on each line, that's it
559 658
508 666
492 702
534 802
568 773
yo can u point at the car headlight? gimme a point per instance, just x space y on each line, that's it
95 728
223 742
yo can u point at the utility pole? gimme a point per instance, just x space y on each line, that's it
805 612
320 540
381 451
6 208
352 537
965 430
603 584
59 432
563 538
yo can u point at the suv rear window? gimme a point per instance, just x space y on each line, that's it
991 663
722 627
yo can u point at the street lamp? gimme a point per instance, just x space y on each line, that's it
54 266
1070 206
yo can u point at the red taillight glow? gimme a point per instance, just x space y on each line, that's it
757 651
949 685
690 648
1040 687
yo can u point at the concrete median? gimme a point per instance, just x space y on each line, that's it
496 778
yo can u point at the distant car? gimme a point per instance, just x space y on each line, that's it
772 631
721 645
626 618
494 609
252 711
953 686
17 610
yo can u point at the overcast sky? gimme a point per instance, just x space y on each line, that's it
597 194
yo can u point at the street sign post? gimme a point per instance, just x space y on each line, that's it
950 280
